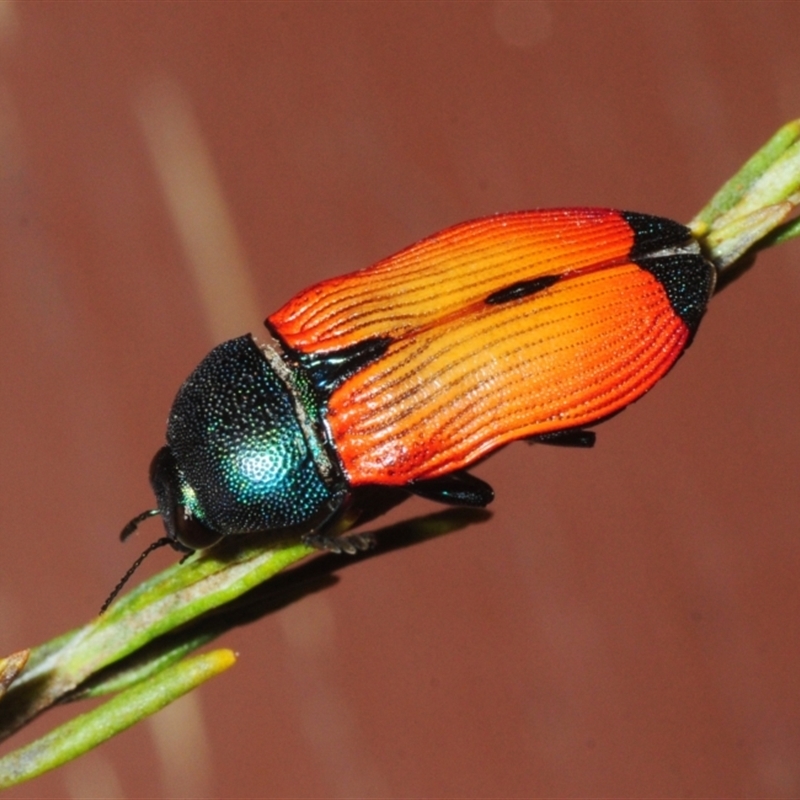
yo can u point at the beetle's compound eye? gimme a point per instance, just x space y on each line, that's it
175 502
164 480
191 533
178 505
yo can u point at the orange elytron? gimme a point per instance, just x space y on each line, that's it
499 329
532 325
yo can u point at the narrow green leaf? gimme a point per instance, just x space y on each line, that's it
781 234
734 189
88 730
728 243
138 667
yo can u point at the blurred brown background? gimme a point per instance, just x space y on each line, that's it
627 622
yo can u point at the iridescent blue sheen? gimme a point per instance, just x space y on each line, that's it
244 460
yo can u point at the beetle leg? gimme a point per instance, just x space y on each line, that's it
456 489
353 544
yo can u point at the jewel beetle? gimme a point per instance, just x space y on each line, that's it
528 325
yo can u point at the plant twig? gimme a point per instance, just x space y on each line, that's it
138 648
146 634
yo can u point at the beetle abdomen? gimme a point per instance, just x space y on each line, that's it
499 329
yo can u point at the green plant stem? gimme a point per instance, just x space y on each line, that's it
736 187
750 212
180 593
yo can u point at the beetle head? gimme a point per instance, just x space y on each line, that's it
246 452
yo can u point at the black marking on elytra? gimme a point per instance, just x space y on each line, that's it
572 437
669 252
653 234
521 289
456 489
329 369
688 281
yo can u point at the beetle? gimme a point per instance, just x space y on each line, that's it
527 325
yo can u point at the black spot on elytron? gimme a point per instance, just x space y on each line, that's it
687 277
330 369
521 289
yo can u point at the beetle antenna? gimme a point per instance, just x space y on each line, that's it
135 522
125 533
162 542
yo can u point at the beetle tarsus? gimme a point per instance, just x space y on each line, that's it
353 544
